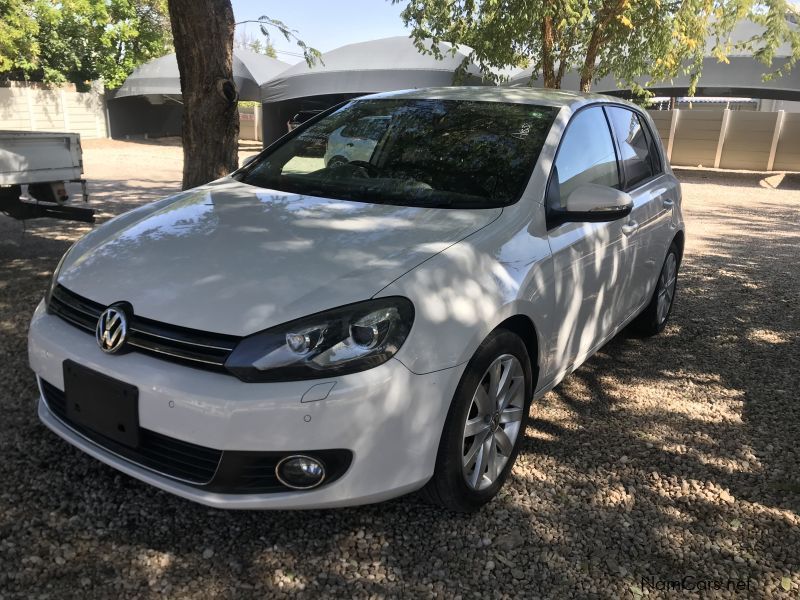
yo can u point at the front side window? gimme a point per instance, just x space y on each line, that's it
443 153
586 155
634 145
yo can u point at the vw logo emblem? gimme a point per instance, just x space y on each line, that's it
112 329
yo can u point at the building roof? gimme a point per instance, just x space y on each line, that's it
745 31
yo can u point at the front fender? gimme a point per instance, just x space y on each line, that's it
465 292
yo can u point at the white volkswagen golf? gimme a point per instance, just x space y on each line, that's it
304 335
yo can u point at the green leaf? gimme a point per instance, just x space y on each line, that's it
786 584
81 40
652 38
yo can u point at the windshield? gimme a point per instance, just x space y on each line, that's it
443 153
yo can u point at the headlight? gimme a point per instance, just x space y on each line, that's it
335 342
54 279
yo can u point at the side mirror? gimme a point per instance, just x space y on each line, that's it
594 203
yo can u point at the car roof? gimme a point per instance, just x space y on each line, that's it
540 96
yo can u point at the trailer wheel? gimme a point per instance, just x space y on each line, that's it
48 192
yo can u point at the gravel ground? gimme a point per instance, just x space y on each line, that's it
659 459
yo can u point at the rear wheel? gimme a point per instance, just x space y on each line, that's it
485 426
654 317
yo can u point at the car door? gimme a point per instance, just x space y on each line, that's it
592 262
648 224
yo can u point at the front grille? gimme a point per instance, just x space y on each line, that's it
175 458
230 471
178 344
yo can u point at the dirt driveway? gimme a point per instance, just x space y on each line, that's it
673 459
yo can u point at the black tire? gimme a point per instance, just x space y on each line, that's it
10 202
448 487
650 321
43 192
9 194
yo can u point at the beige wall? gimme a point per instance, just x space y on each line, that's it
32 108
731 139
787 155
250 122
696 137
748 140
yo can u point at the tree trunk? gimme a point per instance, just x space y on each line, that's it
548 66
590 61
587 70
202 31
606 15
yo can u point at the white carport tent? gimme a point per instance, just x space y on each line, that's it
740 78
149 101
381 65
160 77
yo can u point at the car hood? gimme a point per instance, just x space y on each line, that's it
235 259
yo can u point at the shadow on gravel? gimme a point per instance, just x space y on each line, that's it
159 141
779 181
663 457
691 437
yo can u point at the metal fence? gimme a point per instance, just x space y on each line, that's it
731 139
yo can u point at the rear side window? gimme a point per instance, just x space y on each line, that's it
586 155
635 145
652 144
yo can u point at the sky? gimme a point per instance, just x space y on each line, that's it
323 24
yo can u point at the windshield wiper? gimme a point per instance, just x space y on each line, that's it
431 202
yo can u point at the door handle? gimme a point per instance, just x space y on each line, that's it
630 227
667 203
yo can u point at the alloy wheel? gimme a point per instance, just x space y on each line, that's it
493 422
666 286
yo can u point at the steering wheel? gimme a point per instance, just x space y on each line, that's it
372 170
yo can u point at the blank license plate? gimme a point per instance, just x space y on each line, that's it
101 403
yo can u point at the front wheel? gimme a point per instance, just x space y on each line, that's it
654 317
485 425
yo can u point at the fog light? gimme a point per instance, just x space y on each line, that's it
300 472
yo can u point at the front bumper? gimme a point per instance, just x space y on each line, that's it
389 418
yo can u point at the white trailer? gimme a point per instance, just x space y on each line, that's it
44 162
